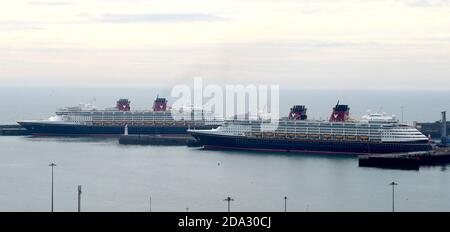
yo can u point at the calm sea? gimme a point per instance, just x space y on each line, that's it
123 178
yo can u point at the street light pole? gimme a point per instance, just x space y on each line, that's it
393 184
52 165
79 198
285 204
150 204
229 199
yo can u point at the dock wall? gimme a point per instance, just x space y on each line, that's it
185 140
13 130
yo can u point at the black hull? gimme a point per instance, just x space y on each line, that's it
53 129
220 142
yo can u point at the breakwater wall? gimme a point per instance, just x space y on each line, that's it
13 130
183 140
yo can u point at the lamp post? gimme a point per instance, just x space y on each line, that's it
150 203
52 165
285 203
79 198
229 199
393 184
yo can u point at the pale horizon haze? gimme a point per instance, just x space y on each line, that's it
304 44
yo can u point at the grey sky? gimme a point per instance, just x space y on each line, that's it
345 44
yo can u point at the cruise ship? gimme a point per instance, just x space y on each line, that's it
87 120
374 133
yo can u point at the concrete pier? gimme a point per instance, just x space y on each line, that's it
172 140
13 130
409 161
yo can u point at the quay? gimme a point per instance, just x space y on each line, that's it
13 130
181 140
407 161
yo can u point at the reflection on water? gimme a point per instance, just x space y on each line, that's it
121 178
71 139
291 155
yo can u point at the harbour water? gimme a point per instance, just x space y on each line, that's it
123 178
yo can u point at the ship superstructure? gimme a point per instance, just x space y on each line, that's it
374 133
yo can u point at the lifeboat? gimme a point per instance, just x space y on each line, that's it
339 137
351 137
268 134
169 123
327 136
257 134
280 135
363 137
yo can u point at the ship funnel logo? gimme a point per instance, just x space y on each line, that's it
238 102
